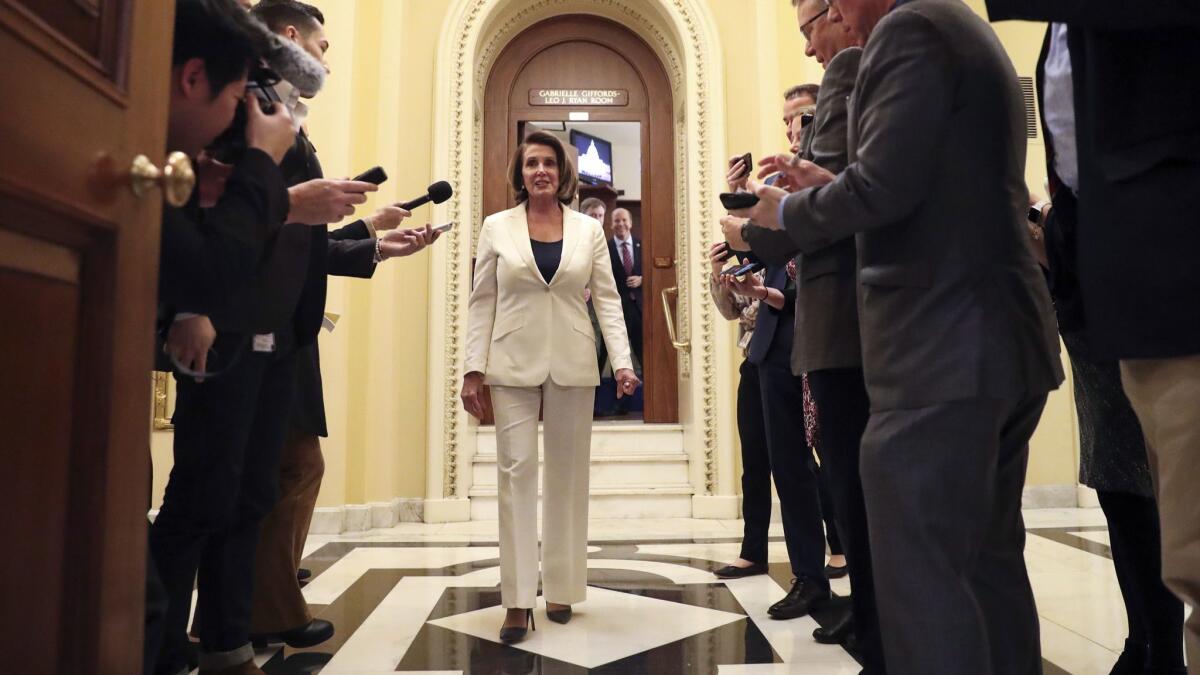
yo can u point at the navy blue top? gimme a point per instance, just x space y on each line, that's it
547 255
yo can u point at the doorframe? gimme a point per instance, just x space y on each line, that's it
684 36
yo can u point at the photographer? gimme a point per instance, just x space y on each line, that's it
280 612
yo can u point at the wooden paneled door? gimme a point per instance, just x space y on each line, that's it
85 89
588 52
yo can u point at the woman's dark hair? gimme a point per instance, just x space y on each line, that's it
568 180
221 34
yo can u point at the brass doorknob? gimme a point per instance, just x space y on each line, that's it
177 178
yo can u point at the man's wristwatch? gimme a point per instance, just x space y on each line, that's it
742 231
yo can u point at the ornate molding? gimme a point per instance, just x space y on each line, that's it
691 92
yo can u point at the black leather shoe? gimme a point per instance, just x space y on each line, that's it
511 634
837 632
309 635
303 574
735 572
804 597
1132 660
559 615
836 572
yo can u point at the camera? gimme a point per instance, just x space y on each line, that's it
229 147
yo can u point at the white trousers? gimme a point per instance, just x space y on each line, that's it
568 441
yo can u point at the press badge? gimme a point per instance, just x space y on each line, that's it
264 343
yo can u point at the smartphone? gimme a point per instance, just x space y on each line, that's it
725 254
374 176
444 227
742 270
734 201
747 165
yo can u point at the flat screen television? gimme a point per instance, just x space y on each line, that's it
595 158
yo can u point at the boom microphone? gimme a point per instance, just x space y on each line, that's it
437 193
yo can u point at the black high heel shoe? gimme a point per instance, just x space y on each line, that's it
511 634
559 615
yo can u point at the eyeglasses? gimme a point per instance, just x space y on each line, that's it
806 27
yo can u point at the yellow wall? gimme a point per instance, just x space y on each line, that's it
377 108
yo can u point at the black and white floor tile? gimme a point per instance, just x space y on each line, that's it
425 599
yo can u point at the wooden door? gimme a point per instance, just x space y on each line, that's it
85 85
588 52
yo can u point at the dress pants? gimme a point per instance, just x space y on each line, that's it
1154 615
843 407
1165 394
568 439
279 604
756 467
793 467
228 434
943 487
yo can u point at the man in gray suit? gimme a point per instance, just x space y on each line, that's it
958 339
827 340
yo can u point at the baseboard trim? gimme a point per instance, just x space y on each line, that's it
456 510
715 507
1050 497
363 517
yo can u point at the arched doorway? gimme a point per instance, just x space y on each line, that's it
617 81
683 35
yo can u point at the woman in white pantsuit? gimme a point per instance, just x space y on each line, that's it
530 339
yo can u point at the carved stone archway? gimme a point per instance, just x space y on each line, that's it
683 34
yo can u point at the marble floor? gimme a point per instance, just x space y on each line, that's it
420 598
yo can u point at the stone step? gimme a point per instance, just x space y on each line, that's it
606 470
631 501
610 438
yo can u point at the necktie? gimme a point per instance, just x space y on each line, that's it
626 258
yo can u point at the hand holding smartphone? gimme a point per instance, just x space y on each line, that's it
375 176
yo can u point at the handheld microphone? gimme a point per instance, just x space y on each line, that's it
437 193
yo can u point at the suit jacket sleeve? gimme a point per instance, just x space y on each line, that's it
356 230
352 258
205 256
607 302
904 94
773 247
481 308
1103 14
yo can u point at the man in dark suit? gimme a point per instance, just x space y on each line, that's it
626 254
1127 175
279 609
958 340
827 337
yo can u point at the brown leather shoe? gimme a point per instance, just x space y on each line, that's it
247 668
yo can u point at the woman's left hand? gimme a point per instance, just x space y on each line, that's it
627 382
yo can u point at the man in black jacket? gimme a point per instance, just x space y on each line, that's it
1128 174
279 609
205 255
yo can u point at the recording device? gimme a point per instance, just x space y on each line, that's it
747 164
806 119
437 193
735 201
283 60
742 270
444 227
375 176
727 254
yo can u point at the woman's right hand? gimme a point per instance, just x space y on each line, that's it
716 257
472 394
738 174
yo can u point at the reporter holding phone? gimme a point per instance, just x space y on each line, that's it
529 338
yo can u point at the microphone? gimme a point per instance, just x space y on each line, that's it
437 193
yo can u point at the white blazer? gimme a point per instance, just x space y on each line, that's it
521 330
